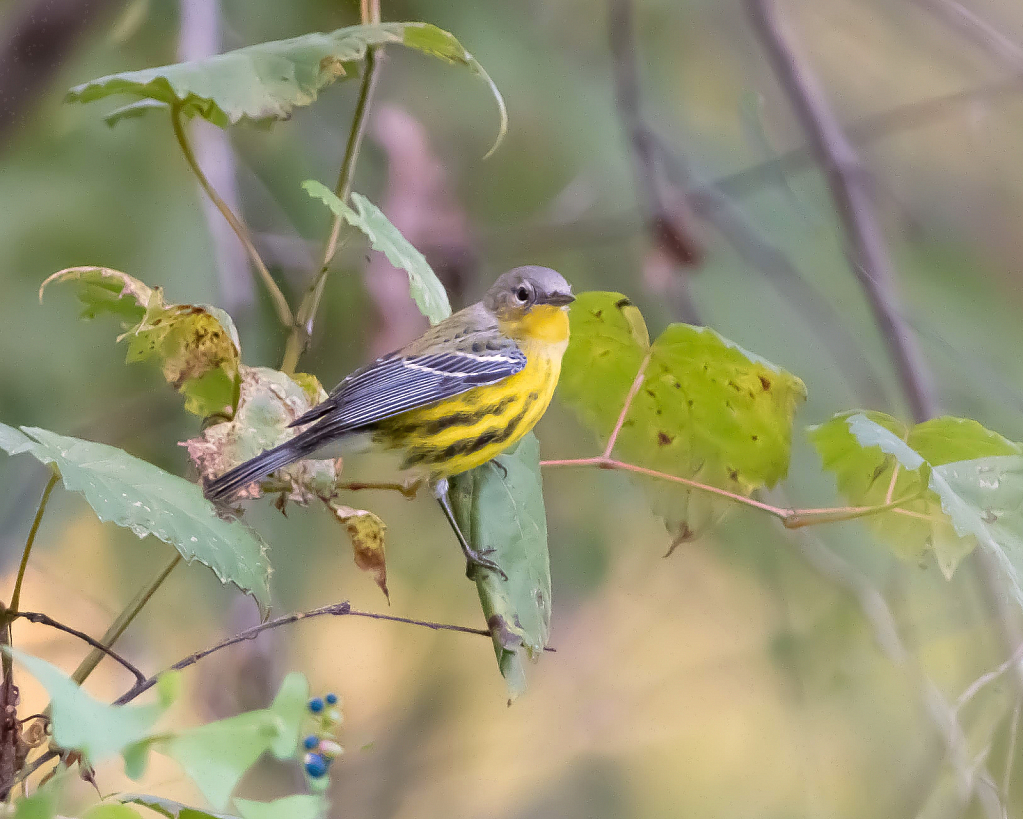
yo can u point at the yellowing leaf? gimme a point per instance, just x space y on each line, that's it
195 345
367 533
268 401
707 410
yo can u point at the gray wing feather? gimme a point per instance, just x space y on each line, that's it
392 385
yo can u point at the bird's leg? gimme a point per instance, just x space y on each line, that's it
440 490
499 466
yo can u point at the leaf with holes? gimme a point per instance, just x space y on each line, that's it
139 496
196 345
269 400
706 410
499 507
266 82
424 286
863 450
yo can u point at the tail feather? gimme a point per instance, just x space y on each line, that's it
255 469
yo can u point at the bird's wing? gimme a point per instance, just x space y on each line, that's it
398 383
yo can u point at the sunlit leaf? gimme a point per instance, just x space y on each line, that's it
707 410
83 723
503 515
366 531
268 401
170 808
40 805
111 811
196 345
424 286
267 81
298 806
862 449
139 496
290 706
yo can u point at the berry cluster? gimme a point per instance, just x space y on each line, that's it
320 744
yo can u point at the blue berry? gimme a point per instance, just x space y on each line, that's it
315 765
311 742
331 699
316 705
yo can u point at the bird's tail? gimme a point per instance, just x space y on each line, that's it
257 468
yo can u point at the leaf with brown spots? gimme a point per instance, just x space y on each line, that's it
196 345
366 531
707 410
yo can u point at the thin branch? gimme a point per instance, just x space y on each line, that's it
16 596
276 296
988 677
847 179
336 609
1000 48
46 620
302 330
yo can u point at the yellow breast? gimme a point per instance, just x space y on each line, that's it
466 431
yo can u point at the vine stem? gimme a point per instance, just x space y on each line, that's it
16 596
124 619
276 296
342 609
302 327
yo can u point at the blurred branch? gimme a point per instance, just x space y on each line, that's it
864 131
1000 48
302 329
846 177
242 232
342 609
200 37
666 225
38 37
972 776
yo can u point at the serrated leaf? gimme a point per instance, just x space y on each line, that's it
424 286
196 345
267 81
268 401
862 449
83 723
217 755
170 808
139 496
503 515
297 806
366 531
707 410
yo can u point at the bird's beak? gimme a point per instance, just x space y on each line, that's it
559 299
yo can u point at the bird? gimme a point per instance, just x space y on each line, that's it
455 398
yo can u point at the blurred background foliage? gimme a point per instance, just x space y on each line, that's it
744 676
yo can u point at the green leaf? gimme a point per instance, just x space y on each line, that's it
298 806
267 81
111 811
268 402
85 724
863 448
504 516
424 286
196 345
217 755
170 808
707 410
139 496
40 805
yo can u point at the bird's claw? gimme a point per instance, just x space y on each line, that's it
476 560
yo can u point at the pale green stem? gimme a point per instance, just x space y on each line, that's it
16 596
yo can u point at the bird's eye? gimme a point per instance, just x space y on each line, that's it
522 294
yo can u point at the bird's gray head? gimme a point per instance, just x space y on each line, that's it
516 292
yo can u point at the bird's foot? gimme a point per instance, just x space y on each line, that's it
476 560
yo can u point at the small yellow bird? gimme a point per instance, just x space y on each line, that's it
457 396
